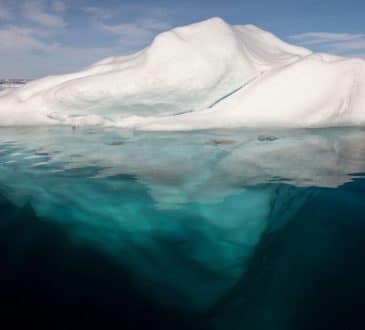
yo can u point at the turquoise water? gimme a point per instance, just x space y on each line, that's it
239 229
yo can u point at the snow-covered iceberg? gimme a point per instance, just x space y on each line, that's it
205 75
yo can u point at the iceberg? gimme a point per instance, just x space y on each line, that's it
205 75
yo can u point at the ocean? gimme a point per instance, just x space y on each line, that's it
259 229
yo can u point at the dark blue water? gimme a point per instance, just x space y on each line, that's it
209 230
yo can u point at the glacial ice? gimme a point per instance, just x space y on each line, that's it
205 75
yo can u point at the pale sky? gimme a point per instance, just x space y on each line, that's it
43 37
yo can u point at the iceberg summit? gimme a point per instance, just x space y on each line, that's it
205 75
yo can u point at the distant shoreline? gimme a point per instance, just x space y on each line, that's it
12 83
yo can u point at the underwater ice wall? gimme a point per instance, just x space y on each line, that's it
184 212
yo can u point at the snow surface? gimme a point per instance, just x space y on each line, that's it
205 75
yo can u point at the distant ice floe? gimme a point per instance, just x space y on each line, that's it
205 75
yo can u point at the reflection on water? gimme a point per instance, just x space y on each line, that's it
223 229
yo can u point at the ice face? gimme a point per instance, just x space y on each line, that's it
184 212
187 80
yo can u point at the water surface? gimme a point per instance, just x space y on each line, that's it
239 229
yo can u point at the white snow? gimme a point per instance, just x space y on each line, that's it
205 75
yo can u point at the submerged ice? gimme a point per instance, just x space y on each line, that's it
204 75
183 211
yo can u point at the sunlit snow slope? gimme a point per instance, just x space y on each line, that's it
204 75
